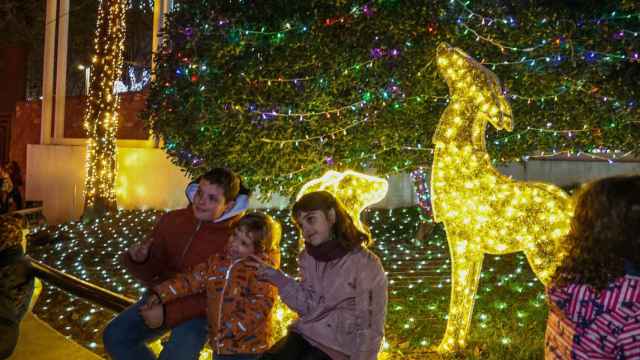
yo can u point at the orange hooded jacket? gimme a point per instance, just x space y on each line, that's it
239 306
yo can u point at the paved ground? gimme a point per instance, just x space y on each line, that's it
40 341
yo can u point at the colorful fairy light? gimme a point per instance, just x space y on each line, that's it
418 272
482 210
285 96
421 184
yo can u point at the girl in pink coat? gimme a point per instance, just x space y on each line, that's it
341 297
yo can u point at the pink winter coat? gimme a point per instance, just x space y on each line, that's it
341 303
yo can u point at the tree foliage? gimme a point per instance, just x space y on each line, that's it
283 90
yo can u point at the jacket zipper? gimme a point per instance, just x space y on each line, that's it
186 248
224 288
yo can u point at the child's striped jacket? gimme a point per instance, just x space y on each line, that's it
584 324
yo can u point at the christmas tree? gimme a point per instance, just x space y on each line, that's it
284 90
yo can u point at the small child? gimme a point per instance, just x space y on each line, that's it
594 310
239 305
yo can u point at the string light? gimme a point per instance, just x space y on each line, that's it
588 56
500 45
297 80
314 109
101 116
482 210
614 15
419 275
323 137
326 113
510 22
421 184
358 106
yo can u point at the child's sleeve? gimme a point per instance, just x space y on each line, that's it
249 312
184 284
299 296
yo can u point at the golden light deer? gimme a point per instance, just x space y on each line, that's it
483 211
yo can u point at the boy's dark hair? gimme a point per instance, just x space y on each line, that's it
605 231
229 181
262 229
345 229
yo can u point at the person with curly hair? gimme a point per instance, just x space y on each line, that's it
594 296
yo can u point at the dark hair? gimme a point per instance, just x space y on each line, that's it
230 183
605 231
345 229
264 232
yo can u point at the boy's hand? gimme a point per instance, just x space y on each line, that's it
139 252
153 315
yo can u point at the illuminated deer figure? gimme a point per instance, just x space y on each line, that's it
482 210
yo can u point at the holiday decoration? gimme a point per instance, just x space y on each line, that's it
509 317
420 178
285 91
356 191
482 210
101 117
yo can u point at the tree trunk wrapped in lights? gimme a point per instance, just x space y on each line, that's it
101 117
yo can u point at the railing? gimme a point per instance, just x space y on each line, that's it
79 287
25 212
33 215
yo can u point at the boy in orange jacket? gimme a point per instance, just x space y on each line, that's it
239 306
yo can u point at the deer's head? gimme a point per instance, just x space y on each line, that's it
471 82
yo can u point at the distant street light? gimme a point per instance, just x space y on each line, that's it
87 77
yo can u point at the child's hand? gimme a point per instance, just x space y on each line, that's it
151 300
264 271
139 252
153 315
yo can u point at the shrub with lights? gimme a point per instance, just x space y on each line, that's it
285 90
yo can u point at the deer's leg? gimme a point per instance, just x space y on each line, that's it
543 256
465 276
